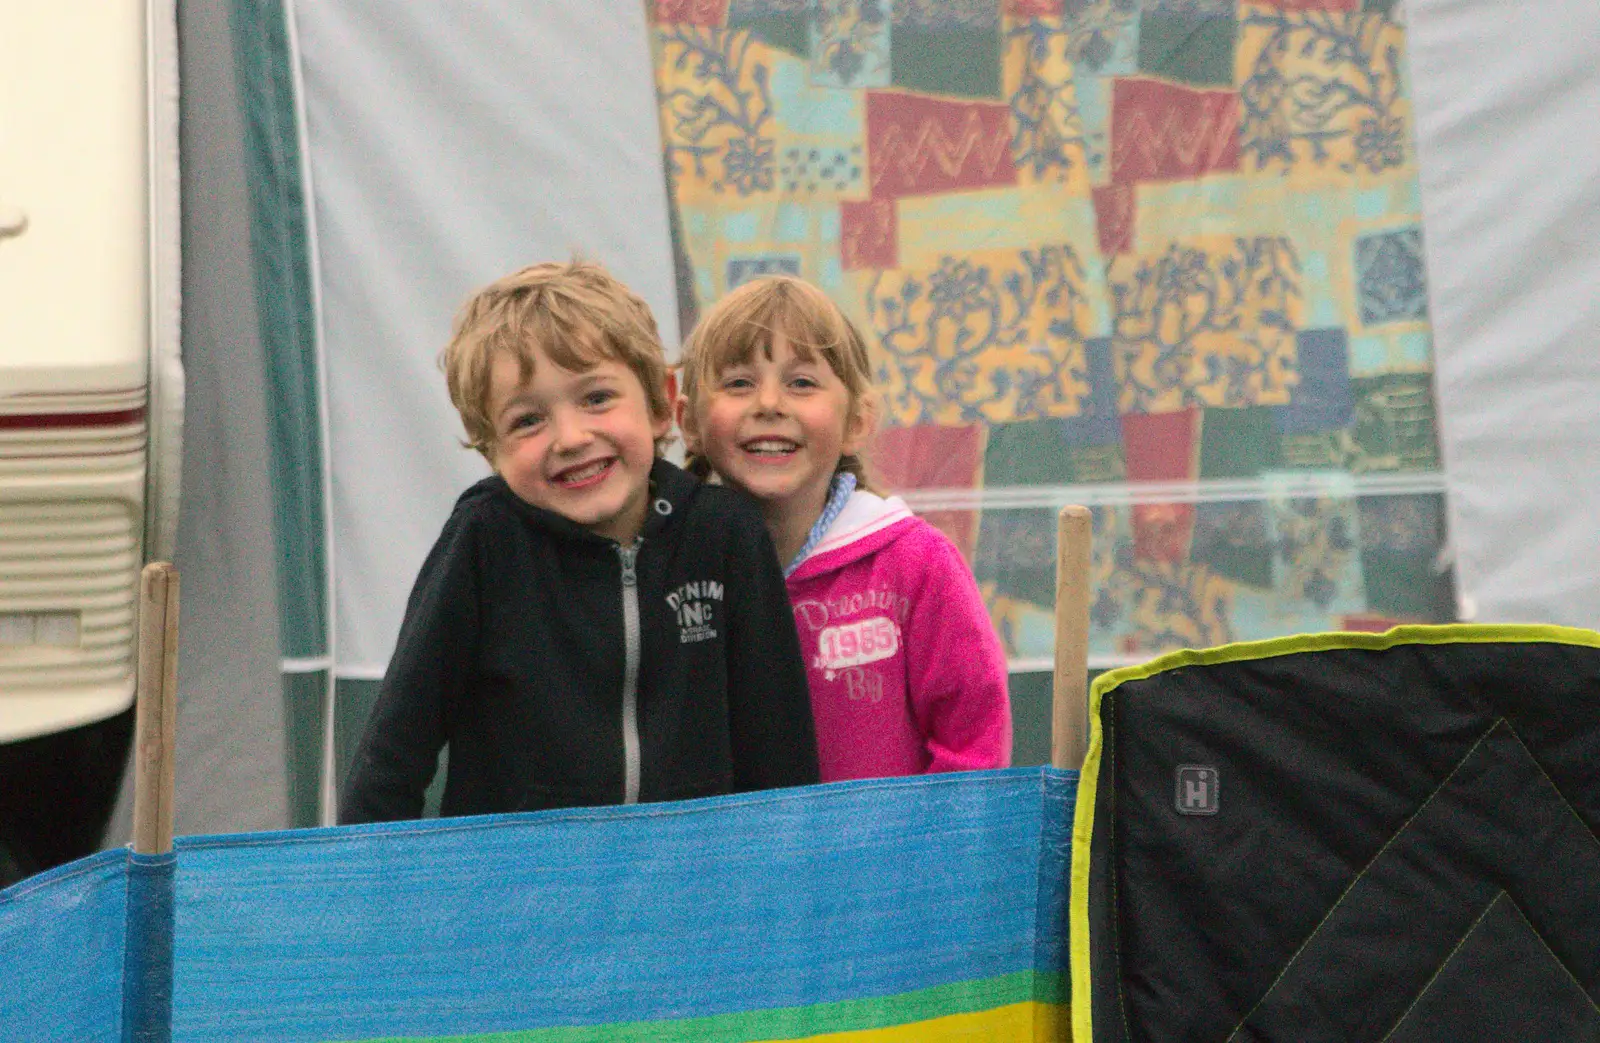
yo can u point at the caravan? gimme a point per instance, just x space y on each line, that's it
90 389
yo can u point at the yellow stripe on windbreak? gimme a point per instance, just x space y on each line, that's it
1030 1022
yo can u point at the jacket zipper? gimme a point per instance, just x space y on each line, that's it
630 671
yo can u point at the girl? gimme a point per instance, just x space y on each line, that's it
905 670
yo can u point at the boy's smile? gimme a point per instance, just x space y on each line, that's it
581 476
580 444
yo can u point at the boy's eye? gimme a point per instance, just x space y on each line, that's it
804 381
526 421
599 397
737 383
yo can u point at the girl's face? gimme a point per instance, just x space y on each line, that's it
776 428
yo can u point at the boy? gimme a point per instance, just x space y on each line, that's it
593 625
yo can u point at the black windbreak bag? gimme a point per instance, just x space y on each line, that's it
1344 837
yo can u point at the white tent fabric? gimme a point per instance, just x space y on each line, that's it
1506 103
451 143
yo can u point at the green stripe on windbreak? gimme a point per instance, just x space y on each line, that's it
966 997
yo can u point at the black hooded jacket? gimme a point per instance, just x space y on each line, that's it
516 651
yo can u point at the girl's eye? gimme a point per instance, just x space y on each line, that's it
526 421
737 383
806 382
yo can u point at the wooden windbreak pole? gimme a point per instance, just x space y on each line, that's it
156 718
1069 726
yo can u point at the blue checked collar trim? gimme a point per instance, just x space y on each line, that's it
844 484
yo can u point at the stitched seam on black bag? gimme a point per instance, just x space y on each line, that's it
1442 965
1358 877
1547 777
1559 961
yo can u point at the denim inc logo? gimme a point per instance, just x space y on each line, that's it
1199 789
692 604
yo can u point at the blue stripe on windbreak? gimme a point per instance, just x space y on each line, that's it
585 917
147 963
61 945
1055 862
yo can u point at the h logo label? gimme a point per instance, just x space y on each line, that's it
1199 789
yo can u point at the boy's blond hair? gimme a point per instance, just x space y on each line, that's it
744 322
575 313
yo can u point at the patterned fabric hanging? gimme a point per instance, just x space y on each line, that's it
1162 257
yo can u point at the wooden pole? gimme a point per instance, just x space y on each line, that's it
155 719
1069 726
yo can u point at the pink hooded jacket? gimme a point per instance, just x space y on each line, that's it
907 675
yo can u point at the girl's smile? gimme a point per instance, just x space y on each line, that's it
774 450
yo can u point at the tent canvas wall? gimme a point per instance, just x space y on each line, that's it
1508 272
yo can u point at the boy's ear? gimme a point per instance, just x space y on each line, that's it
487 451
659 426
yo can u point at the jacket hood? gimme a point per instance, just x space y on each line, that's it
868 523
671 489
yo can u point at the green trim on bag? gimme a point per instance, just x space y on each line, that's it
1081 1011
1445 634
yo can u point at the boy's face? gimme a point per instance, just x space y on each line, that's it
580 444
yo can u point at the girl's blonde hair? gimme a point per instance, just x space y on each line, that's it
745 321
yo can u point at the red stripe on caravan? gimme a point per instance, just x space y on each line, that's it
112 419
